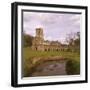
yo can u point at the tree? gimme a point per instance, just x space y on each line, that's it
73 41
27 40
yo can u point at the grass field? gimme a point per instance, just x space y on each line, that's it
28 54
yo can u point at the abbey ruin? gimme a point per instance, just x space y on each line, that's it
39 44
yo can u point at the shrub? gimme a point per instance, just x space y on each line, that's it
73 67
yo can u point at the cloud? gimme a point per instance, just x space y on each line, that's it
48 38
56 26
76 19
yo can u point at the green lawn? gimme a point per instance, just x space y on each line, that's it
28 54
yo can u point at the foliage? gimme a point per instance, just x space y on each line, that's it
27 40
73 67
73 41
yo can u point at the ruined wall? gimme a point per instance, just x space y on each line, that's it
39 44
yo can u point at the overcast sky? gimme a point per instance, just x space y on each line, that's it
56 26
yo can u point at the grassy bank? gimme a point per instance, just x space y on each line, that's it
28 54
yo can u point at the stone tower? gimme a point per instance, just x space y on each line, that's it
39 33
37 43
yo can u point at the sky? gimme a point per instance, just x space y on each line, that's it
56 26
